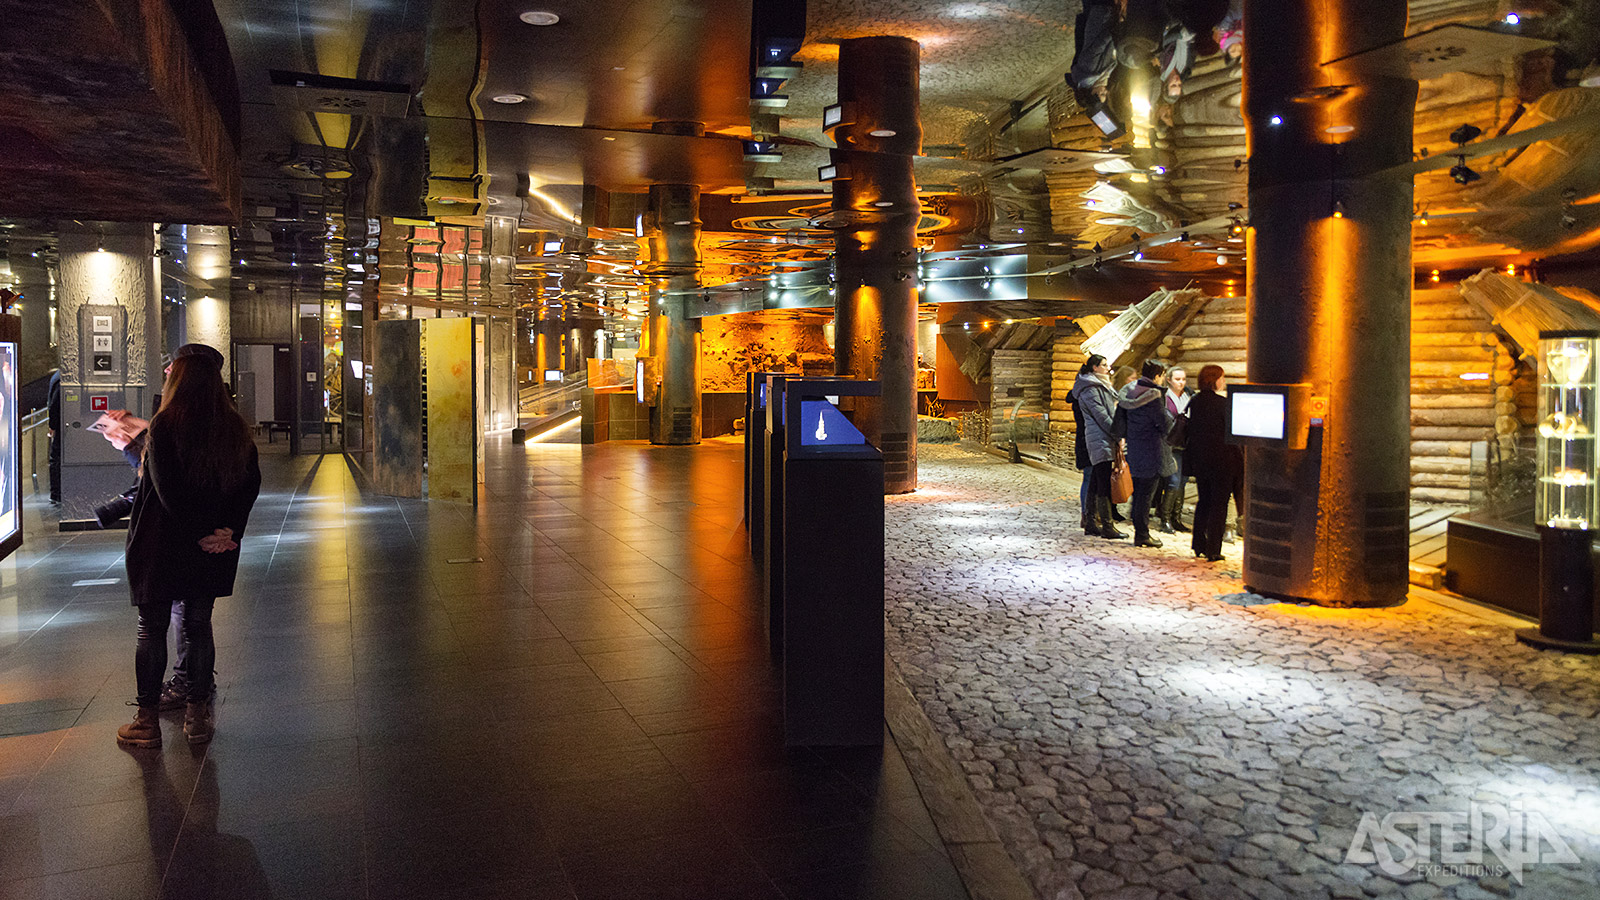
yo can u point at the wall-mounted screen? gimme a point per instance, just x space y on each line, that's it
1257 415
10 450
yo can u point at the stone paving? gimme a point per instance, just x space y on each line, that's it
1133 732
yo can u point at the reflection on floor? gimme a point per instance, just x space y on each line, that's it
562 693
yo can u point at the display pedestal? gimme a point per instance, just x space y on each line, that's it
1566 593
771 555
833 596
831 564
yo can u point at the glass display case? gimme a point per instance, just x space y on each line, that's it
1566 442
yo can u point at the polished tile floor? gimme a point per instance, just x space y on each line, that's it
562 693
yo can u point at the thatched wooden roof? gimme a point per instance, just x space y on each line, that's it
1522 309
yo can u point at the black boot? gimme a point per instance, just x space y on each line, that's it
1107 528
1175 512
1090 526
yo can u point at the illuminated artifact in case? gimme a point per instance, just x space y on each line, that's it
1566 492
1564 504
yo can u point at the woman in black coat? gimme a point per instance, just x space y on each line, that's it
196 488
1215 464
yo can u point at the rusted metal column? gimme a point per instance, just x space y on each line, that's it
672 237
1329 299
875 210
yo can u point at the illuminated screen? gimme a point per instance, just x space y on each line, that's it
10 445
823 424
1257 415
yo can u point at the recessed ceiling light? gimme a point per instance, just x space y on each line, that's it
882 132
539 17
683 222
608 139
1339 129
509 98
883 203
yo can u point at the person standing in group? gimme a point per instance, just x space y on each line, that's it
1215 464
1148 422
1177 402
198 484
1097 403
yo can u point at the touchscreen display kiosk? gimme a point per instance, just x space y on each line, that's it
1270 415
1257 415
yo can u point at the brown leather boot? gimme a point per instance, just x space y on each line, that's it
143 731
197 722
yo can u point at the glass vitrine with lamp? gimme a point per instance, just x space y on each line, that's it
1564 502
1565 497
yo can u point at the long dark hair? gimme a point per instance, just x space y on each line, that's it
196 412
1094 359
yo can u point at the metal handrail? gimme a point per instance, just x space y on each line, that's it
36 446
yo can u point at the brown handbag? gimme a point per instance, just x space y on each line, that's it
1121 477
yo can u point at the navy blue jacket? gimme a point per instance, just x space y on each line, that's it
1142 402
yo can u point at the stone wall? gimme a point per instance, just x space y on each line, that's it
732 346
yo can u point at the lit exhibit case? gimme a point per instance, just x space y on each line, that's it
1564 502
10 439
1566 444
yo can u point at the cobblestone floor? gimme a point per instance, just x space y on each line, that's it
1131 734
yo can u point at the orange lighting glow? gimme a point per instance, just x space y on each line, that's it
1434 275
1511 268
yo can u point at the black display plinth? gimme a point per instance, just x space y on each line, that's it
1566 593
833 596
831 562
771 516
755 462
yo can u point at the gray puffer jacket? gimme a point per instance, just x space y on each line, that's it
1094 396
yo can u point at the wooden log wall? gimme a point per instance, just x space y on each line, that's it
1066 358
1018 375
1455 359
1215 335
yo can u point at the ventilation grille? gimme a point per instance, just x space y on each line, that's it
1270 528
1387 534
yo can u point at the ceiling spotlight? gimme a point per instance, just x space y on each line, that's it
509 99
1275 120
1461 173
1159 170
883 132
1512 19
1221 260
1465 134
1339 129
683 222
539 17
883 204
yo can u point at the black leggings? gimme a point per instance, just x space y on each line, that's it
150 658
